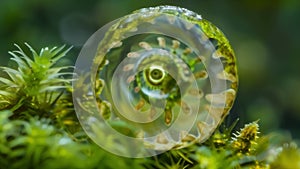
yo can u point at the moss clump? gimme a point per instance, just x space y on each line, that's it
39 129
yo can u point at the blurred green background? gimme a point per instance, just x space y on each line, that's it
264 33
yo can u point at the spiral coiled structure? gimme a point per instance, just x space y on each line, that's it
161 76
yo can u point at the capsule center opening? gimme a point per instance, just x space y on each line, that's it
156 75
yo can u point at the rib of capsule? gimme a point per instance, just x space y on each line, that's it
145 45
161 42
175 44
168 116
140 104
133 55
185 107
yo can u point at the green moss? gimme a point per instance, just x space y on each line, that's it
38 129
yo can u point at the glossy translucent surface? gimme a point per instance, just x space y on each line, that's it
161 78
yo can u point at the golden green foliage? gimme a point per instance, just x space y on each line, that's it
221 151
288 157
245 139
37 86
37 117
36 83
38 144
